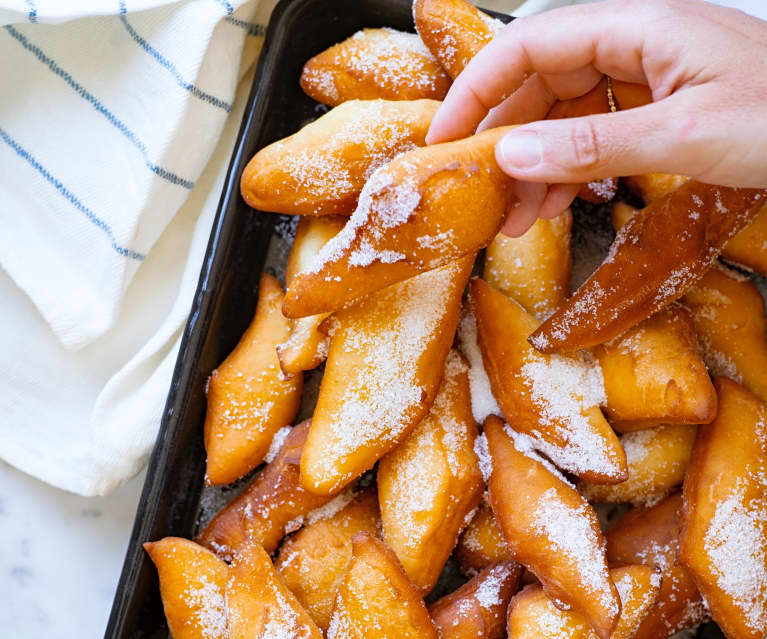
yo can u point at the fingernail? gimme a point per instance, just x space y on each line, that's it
520 150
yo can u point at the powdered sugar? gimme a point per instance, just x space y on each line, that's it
489 594
277 441
483 402
332 508
209 608
483 454
527 446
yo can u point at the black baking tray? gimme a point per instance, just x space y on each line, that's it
226 294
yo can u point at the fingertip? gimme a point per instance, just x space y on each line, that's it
522 215
558 199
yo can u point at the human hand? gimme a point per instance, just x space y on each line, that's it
705 65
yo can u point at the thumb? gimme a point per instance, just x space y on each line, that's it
651 138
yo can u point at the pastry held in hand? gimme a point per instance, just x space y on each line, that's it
724 534
453 30
384 366
482 543
321 169
553 399
376 599
272 506
551 529
654 259
249 398
424 209
650 536
375 63
477 610
532 615
431 482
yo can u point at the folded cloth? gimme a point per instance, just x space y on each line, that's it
116 128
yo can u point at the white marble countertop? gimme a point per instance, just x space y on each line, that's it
60 557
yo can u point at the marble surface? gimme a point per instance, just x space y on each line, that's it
60 557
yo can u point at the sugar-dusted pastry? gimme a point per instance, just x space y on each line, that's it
653 186
192 586
553 399
384 366
657 460
535 268
650 536
249 398
621 213
724 532
375 63
259 605
654 259
477 610
313 561
482 543
321 169
426 208
550 528
728 312
482 401
654 371
273 505
453 30
307 345
431 483
376 599
532 615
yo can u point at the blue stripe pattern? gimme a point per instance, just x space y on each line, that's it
229 8
188 86
95 219
256 30
32 11
96 104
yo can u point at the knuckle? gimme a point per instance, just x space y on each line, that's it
588 149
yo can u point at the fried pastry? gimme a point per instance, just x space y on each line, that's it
259 605
535 268
313 561
192 586
375 63
654 259
657 460
430 484
653 186
653 371
482 543
477 610
724 532
384 366
376 600
273 505
249 399
728 312
550 528
424 209
553 399
650 536
453 30
532 615
321 169
482 401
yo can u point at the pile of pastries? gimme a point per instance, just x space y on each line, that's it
480 418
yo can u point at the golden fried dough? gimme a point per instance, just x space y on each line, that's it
621 213
653 371
724 533
313 562
321 169
482 543
550 528
553 399
375 63
384 366
192 586
429 484
728 312
533 269
376 600
654 259
653 186
424 209
249 399
650 536
657 460
477 610
532 615
272 506
453 30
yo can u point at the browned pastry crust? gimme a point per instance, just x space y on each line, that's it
482 543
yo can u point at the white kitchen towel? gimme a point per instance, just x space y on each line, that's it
116 127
